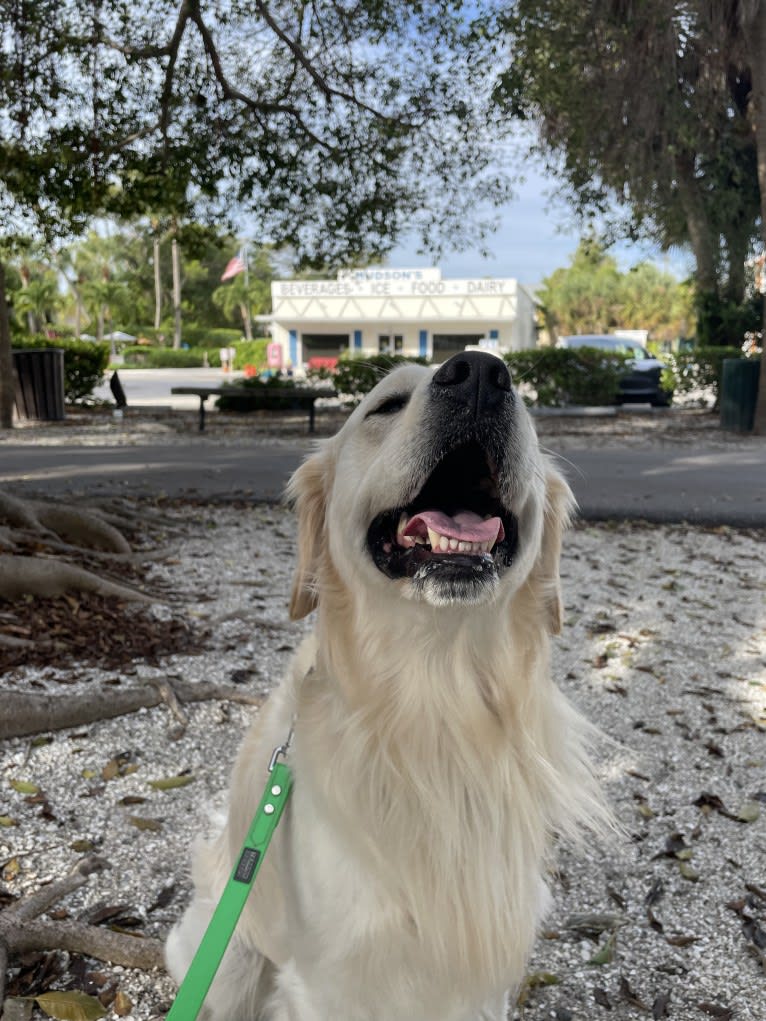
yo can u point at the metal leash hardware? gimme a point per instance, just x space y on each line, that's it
194 988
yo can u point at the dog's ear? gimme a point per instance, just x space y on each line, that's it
307 494
559 507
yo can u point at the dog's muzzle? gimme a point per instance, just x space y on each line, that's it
456 532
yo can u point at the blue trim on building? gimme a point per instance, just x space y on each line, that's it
357 340
423 344
294 347
494 334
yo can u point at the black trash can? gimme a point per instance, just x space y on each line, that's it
39 383
739 390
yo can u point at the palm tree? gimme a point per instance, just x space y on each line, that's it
38 299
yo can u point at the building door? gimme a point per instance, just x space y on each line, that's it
445 345
323 346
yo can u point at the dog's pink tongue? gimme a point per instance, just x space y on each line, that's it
465 526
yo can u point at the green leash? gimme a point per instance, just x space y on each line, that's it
201 973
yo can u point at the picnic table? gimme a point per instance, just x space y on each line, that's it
272 398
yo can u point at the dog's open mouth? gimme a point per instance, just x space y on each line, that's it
456 524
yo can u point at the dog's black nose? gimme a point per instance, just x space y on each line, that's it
478 381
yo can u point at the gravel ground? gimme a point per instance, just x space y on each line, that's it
664 649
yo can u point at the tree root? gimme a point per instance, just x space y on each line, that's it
37 576
57 546
26 713
22 931
51 520
11 642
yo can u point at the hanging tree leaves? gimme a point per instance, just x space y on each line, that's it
333 126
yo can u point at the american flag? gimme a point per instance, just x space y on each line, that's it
234 266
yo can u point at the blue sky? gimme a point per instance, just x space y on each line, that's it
535 236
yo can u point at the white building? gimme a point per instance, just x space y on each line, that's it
403 311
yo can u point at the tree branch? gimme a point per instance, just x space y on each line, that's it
22 931
34 712
184 12
236 95
327 90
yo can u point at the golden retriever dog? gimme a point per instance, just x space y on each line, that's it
435 762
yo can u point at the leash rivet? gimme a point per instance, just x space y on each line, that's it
268 809
276 790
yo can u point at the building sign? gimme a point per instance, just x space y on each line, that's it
376 275
395 283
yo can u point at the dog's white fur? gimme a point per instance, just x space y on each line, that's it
434 762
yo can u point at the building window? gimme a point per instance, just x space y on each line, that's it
398 343
384 344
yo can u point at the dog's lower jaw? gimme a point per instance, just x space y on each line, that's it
435 584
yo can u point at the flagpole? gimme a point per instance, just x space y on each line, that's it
247 291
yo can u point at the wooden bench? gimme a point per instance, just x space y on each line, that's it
251 399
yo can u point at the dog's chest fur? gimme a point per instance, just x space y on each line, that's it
433 816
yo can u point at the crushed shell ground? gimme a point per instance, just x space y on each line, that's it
664 648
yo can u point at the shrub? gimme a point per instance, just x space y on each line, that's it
559 376
722 322
246 394
209 337
85 362
698 370
355 377
251 352
170 358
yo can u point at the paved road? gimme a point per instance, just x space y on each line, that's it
704 485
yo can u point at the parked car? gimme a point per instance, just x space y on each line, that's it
643 381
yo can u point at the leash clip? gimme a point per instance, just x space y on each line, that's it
280 752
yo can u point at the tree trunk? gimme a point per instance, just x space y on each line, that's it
246 322
176 294
77 313
6 358
737 240
157 284
700 235
757 107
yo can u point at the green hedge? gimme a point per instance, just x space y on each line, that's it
247 353
355 377
169 358
85 362
699 369
560 376
207 337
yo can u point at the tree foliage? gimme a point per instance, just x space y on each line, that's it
327 124
332 126
635 107
659 104
593 296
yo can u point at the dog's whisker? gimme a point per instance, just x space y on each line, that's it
558 456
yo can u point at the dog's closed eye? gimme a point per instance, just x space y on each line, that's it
391 405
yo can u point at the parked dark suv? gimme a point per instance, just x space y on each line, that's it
642 382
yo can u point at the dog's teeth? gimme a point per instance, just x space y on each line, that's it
462 547
433 538
453 544
444 544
